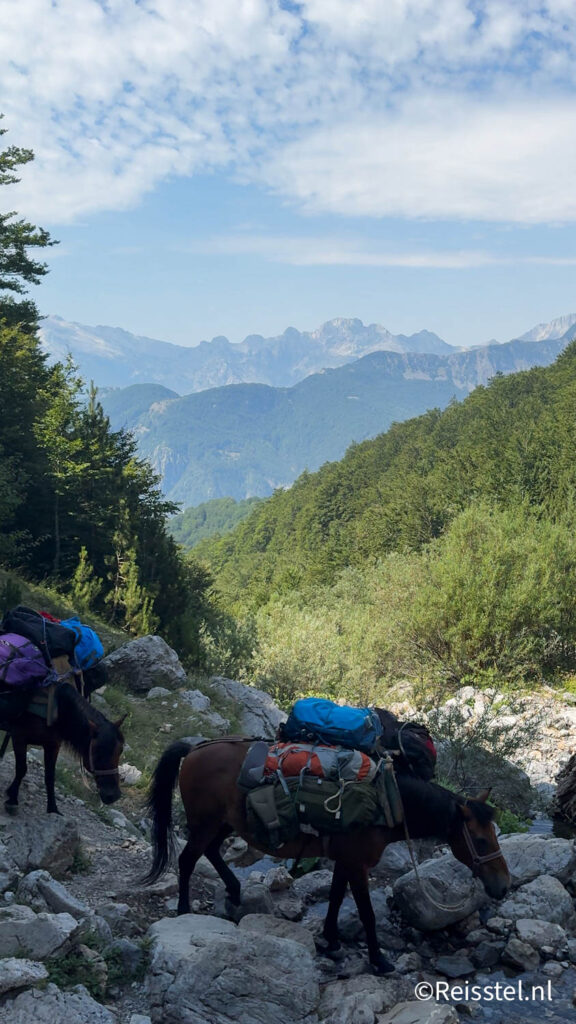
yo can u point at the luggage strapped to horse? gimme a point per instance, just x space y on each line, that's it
280 807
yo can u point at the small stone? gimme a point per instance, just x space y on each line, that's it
520 954
454 966
552 969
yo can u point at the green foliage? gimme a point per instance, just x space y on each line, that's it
509 444
209 519
10 594
85 587
496 600
510 822
17 237
75 969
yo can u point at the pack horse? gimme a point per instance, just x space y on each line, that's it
40 704
215 807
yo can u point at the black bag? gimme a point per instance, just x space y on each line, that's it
413 743
53 639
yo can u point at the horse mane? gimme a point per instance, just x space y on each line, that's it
431 809
75 715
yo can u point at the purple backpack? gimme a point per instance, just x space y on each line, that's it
22 663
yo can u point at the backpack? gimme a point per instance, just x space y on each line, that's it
22 663
51 638
334 724
412 744
88 647
320 761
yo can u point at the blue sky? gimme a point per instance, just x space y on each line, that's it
241 166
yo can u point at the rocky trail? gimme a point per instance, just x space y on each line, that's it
82 941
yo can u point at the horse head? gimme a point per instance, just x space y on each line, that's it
102 757
474 842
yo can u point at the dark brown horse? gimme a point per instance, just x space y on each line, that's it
214 807
80 726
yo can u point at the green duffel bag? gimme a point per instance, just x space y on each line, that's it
271 814
334 806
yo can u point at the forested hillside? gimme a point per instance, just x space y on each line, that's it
446 545
249 439
209 519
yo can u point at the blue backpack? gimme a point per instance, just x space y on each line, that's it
88 648
335 724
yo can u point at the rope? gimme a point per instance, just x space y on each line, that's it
427 895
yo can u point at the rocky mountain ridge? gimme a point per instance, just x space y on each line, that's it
246 440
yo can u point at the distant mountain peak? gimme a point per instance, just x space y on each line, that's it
552 330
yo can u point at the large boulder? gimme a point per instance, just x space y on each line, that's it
357 1000
50 842
529 856
48 1005
448 882
258 715
144 663
205 969
544 898
16 973
35 935
42 892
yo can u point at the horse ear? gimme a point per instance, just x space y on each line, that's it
483 796
120 720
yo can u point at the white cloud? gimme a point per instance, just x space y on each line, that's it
306 251
415 107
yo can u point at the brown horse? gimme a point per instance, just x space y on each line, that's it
214 806
80 726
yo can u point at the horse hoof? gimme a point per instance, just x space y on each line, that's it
331 949
382 965
11 808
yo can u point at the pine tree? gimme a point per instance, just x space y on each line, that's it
17 237
85 586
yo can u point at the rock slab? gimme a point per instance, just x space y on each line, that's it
205 969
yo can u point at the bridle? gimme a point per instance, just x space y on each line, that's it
96 772
477 858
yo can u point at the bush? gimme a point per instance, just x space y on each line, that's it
497 599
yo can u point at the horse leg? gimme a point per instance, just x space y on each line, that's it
212 852
50 758
199 841
358 878
19 748
337 893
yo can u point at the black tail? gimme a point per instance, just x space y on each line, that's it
159 806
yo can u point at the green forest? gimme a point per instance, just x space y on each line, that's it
442 552
209 519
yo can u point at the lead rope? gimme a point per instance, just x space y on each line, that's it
476 859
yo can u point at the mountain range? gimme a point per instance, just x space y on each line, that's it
246 440
112 357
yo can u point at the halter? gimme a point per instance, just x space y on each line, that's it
477 858
97 771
